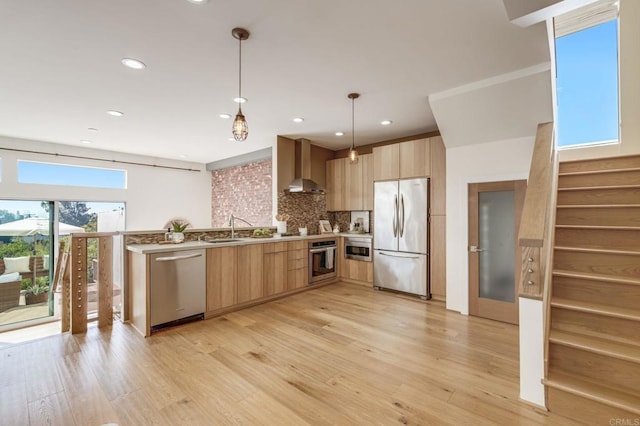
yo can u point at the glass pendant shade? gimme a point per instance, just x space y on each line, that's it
240 128
353 156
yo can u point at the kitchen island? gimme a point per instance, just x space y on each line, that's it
239 273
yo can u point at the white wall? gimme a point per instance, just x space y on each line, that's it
153 195
487 162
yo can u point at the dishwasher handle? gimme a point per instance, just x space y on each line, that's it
172 258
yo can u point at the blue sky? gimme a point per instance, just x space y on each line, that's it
587 72
60 174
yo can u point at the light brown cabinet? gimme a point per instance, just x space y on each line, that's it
249 266
402 160
437 258
297 266
350 186
355 271
221 277
274 268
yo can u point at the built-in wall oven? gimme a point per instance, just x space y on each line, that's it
357 248
322 261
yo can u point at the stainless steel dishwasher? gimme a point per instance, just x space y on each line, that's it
177 287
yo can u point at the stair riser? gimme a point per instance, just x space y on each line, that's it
606 293
598 238
606 371
617 329
611 216
630 177
584 410
598 263
629 162
599 196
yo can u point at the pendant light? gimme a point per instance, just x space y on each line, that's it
240 128
353 152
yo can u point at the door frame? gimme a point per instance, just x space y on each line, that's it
487 308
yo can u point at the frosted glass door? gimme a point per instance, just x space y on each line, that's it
494 219
496 239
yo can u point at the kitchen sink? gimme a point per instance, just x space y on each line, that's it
222 240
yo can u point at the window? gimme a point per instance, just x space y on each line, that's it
587 76
64 174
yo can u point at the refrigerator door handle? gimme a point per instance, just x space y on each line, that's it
395 216
402 257
401 215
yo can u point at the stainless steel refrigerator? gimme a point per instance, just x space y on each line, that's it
401 224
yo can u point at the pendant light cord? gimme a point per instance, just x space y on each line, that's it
353 127
240 76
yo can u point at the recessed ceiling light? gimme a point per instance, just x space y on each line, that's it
240 100
231 139
92 129
86 142
386 122
225 116
115 113
198 1
298 120
339 134
134 64
182 156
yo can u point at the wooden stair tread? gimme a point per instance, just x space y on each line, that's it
605 227
592 188
596 308
596 206
596 345
598 250
594 392
597 172
595 277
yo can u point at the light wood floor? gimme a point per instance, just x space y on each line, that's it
341 354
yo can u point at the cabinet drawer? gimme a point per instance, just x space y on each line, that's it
297 254
296 264
296 245
274 247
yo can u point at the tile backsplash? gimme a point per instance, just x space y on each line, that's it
304 210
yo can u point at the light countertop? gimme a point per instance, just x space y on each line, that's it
192 245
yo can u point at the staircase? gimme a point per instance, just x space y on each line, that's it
593 358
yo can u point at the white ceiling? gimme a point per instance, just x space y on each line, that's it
60 69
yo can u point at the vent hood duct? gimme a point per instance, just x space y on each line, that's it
302 184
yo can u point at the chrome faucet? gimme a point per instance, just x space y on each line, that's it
232 224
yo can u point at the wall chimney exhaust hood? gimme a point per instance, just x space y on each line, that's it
302 184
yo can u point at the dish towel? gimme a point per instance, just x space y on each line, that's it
328 263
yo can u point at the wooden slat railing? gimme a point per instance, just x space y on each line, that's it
535 236
78 297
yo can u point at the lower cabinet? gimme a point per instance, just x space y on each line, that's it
250 270
357 270
297 265
274 268
221 277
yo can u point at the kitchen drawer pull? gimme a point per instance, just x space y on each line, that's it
172 258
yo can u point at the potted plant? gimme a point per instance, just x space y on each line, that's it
178 226
36 293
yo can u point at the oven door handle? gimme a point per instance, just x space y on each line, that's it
320 250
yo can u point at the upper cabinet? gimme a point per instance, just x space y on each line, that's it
402 160
350 186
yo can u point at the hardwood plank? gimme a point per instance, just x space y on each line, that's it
619 162
50 410
105 281
13 403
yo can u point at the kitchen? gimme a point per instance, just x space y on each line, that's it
278 268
